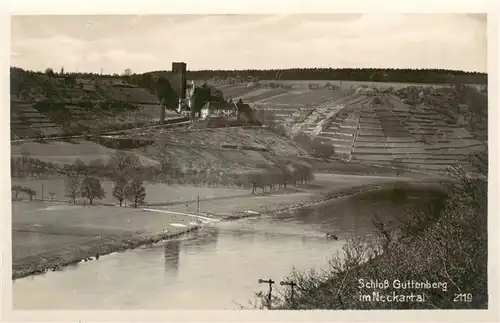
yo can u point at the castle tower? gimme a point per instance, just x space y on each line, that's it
179 69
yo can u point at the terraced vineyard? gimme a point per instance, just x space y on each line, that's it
52 106
383 131
26 121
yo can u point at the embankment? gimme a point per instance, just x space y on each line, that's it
88 250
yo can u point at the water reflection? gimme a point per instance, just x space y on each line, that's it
201 241
171 252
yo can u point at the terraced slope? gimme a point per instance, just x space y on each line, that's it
377 129
58 105
391 133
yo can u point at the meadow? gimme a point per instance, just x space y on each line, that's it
64 152
155 193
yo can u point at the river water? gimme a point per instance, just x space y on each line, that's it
217 267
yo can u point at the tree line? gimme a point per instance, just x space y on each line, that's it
124 169
128 176
348 74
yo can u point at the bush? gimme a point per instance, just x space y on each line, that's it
321 149
444 242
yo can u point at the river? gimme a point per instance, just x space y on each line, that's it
217 267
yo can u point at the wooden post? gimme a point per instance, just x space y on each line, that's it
292 286
270 282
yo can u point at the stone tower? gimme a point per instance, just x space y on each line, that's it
179 70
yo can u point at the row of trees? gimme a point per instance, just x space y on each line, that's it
128 177
351 74
18 189
280 176
90 187
26 165
84 180
124 169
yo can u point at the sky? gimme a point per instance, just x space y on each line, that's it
148 42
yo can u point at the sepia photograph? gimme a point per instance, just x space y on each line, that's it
334 161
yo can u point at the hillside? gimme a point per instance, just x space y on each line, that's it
424 128
400 125
43 105
421 76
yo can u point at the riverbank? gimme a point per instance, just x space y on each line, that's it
326 197
450 234
91 250
98 242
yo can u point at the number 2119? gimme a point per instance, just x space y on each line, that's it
463 297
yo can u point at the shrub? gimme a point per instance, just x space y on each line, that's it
444 241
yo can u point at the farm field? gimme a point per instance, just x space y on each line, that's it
62 152
322 183
387 133
242 204
50 233
155 193
347 84
31 243
85 220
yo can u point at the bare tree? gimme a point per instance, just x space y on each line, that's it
16 189
80 167
256 180
30 192
96 166
136 192
26 162
122 162
91 189
120 188
72 187
127 72
52 194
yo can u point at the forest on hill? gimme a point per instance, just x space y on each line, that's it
346 74
156 83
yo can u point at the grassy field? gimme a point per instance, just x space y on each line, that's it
155 193
241 204
346 84
322 184
201 149
95 218
66 153
48 235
